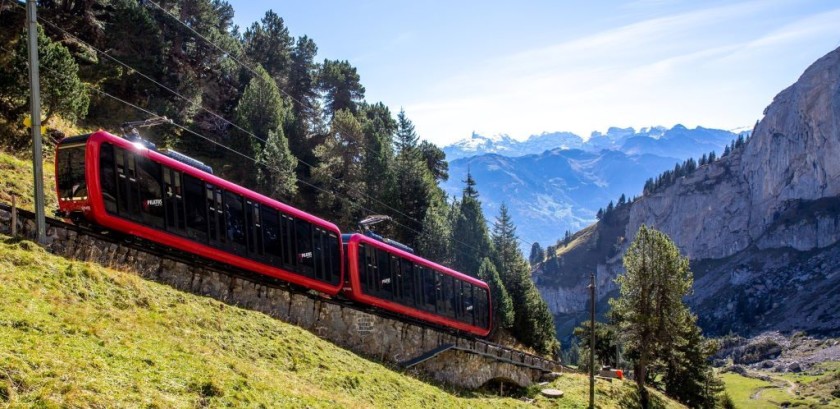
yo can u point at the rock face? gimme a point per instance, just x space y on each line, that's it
761 225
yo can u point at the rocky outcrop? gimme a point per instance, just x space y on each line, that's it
761 225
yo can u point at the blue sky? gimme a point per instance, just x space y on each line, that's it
527 67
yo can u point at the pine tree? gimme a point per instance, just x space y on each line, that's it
406 138
341 85
261 109
435 160
340 170
505 243
276 169
470 238
650 306
62 92
269 43
303 94
502 305
435 240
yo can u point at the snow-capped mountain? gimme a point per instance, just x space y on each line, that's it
677 142
551 189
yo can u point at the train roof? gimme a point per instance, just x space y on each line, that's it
358 237
210 178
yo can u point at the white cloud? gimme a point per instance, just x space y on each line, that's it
695 68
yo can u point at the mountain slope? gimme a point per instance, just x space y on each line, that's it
555 191
762 225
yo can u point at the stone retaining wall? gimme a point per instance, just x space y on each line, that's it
367 334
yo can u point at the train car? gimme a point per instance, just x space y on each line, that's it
398 281
127 187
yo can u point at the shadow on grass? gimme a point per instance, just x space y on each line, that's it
632 399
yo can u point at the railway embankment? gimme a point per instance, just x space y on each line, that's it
469 363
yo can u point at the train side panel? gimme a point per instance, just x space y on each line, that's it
404 283
251 212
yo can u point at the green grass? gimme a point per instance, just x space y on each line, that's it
16 179
812 389
75 334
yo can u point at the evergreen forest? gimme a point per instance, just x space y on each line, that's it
258 105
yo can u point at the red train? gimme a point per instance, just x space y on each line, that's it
166 198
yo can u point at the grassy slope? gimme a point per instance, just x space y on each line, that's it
807 389
76 334
16 179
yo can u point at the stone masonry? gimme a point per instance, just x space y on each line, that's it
367 334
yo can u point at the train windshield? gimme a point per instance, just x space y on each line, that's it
71 172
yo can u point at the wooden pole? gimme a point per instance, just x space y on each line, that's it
14 216
35 112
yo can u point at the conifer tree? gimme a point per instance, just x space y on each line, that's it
435 160
268 42
470 238
651 308
340 170
62 92
406 138
502 306
435 240
341 85
276 168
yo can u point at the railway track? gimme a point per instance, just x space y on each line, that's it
472 344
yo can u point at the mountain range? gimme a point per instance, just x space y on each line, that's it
761 225
556 182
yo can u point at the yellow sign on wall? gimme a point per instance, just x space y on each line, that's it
27 122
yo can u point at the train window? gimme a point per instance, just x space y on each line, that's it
271 232
234 221
367 268
196 208
319 253
303 240
215 215
447 295
466 303
407 279
133 197
383 276
439 304
254 228
108 177
151 192
326 256
334 257
429 293
396 278
71 172
480 307
287 241
173 201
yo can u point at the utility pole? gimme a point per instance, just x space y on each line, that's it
592 342
35 112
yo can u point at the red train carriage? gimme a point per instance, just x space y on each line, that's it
395 280
126 187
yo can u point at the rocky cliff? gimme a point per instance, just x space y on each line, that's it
761 225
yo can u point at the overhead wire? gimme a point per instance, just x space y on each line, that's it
228 53
256 161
